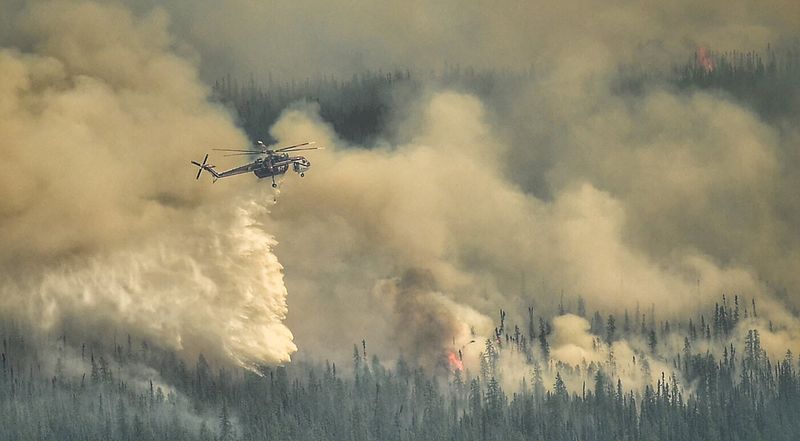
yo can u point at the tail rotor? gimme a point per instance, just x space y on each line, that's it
200 166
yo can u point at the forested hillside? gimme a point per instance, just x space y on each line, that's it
359 107
769 82
54 388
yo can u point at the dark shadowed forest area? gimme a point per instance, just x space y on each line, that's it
359 107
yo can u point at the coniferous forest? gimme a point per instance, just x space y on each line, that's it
359 107
54 388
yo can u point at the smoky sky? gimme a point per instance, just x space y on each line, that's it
666 198
307 38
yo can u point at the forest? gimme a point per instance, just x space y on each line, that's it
359 108
716 388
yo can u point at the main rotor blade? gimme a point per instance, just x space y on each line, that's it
282 149
237 150
245 154
300 150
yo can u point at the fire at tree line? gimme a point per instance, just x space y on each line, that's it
718 385
53 388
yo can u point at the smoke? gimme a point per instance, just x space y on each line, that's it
664 198
311 37
443 203
572 342
93 122
428 326
578 354
100 219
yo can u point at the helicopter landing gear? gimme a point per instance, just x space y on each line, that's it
302 175
274 185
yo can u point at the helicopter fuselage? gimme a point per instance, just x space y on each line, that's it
271 166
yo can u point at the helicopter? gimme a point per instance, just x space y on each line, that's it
273 163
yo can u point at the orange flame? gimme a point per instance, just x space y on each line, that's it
704 59
456 365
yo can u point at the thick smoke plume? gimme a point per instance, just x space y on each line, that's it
425 321
443 203
100 219
661 198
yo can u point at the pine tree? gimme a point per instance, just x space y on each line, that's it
122 422
531 331
652 342
225 425
626 324
611 329
475 397
543 344
559 387
95 373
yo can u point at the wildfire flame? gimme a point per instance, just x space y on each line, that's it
455 363
704 59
